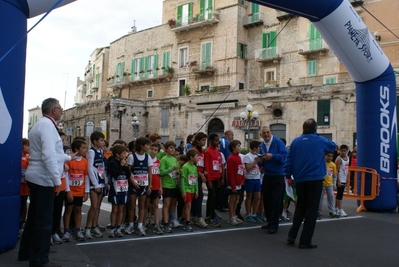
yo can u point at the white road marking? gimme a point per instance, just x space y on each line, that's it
201 232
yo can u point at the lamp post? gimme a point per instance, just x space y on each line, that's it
60 126
249 117
135 125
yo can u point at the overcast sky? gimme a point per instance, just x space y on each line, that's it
59 47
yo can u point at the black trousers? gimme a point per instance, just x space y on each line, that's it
57 214
213 195
308 194
196 206
273 188
35 240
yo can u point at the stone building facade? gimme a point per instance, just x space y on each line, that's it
207 61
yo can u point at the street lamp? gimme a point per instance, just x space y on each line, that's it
60 126
248 117
135 125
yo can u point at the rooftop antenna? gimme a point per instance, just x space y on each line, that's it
134 28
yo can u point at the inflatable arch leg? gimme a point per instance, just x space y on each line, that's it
351 41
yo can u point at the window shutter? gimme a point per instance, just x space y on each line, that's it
202 10
264 40
190 11
154 68
122 69
312 68
179 15
273 39
206 55
142 63
238 50
323 109
133 68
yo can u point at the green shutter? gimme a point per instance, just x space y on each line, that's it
190 12
210 9
142 63
312 68
315 41
165 61
264 40
238 50
154 68
122 69
146 66
202 10
133 68
273 39
206 50
179 15
323 109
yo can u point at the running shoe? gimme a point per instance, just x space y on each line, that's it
129 230
111 233
79 236
201 223
187 227
56 239
215 223
118 232
87 233
175 223
67 237
233 221
249 218
157 230
96 232
141 231
342 213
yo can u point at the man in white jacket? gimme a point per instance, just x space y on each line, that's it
46 163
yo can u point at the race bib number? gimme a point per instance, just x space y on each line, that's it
141 179
192 179
240 170
155 168
200 162
121 186
76 179
346 168
329 172
100 170
216 166
173 174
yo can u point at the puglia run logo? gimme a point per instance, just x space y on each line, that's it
361 38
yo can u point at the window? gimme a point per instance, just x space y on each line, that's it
312 67
315 41
206 9
120 68
269 44
183 57
182 84
278 130
206 55
165 61
270 75
241 2
150 94
137 68
184 14
254 12
97 80
240 86
330 80
204 88
323 112
241 50
151 64
164 118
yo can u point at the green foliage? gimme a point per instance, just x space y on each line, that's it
244 151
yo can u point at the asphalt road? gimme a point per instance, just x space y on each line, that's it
361 239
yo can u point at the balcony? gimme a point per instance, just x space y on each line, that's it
267 55
209 70
253 20
313 47
281 15
89 77
198 21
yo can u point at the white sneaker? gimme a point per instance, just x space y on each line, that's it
56 239
67 237
129 230
238 220
96 232
87 233
342 213
141 231
284 216
233 221
118 232
175 223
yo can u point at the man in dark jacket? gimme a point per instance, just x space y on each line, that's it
306 163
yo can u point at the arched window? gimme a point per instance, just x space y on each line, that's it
216 126
279 130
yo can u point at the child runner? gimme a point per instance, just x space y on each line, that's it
141 185
252 182
97 175
196 207
156 190
79 188
328 185
168 169
189 188
342 163
214 171
235 178
182 159
119 175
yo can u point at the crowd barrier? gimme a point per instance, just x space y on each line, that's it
366 185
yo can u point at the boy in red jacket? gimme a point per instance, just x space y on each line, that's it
235 179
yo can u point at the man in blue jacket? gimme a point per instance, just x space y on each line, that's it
306 163
274 153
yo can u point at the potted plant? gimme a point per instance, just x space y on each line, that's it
172 23
186 89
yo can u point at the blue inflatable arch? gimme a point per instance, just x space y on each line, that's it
337 22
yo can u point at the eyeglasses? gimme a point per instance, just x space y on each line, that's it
60 108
